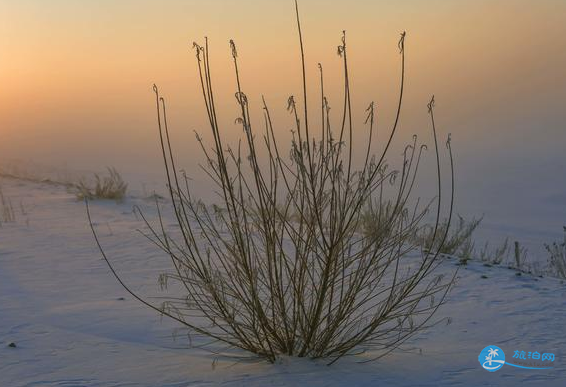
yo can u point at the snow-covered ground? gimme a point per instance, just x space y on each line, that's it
73 325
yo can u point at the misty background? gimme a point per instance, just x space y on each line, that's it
76 88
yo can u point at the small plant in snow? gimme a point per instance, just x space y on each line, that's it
111 187
494 257
557 259
459 241
520 255
7 213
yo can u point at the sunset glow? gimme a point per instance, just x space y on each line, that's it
77 73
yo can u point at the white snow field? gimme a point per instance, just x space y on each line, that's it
73 325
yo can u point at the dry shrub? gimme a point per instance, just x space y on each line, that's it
281 267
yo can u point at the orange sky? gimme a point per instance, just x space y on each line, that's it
76 76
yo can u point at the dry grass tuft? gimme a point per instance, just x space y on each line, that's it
557 259
7 214
111 187
496 256
459 241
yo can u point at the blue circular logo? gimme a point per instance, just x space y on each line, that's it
492 358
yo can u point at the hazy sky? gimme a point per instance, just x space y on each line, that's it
76 80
